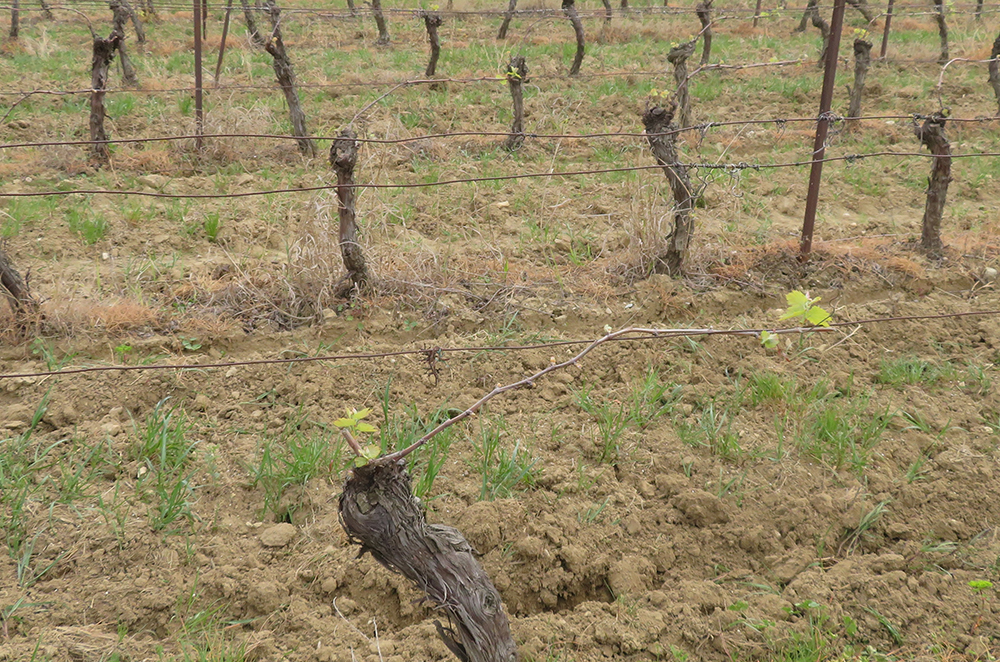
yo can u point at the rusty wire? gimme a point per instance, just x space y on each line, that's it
727 167
648 334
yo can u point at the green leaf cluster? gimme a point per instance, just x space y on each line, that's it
801 307
355 421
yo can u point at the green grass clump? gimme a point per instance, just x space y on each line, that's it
841 432
399 431
163 448
503 470
909 371
713 428
645 401
294 457
90 229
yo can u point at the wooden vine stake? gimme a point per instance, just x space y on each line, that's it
379 512
704 11
122 14
994 68
383 30
939 16
432 21
678 57
517 75
509 14
104 53
283 70
569 8
931 134
23 305
862 60
343 158
660 132
608 12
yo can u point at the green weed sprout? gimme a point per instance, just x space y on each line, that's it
981 587
802 308
355 421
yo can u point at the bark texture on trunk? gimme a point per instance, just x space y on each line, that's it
378 511
658 123
343 158
862 60
517 75
569 8
104 54
931 134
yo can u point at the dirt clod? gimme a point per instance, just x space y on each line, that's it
278 535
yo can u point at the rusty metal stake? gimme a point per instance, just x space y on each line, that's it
199 114
822 127
222 45
885 32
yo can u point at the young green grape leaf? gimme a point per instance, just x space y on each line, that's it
345 422
768 340
365 427
798 305
817 316
358 415
372 451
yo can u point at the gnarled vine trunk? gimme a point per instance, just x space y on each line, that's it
379 512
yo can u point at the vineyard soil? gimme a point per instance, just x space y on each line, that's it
698 498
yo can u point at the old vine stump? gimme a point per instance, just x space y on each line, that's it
661 134
379 512
931 134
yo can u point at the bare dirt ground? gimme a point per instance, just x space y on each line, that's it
829 501
673 548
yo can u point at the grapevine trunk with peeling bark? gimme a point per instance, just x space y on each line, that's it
704 12
517 75
678 56
931 134
383 30
569 8
824 28
862 60
509 14
121 17
862 6
283 71
104 53
994 68
343 158
378 511
659 126
22 304
432 21
942 24
15 19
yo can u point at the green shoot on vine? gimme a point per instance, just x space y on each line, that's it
354 421
801 307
